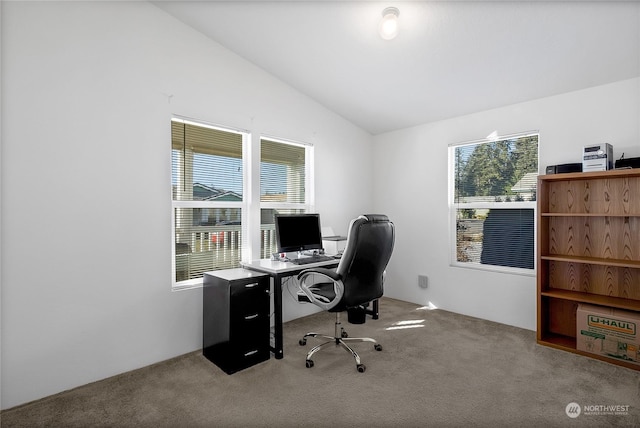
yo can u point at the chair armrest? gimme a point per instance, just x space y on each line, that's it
329 273
316 298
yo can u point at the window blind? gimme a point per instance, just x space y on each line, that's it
283 178
207 196
282 172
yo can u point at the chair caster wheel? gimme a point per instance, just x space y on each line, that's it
377 347
302 342
361 368
309 364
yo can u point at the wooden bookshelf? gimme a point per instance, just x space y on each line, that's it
588 250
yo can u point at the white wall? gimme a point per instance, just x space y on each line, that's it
88 91
411 186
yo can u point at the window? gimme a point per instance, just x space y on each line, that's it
207 199
285 177
492 203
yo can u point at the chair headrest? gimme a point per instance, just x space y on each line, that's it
376 217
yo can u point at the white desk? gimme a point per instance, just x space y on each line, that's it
278 270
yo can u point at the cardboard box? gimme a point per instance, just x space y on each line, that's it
609 332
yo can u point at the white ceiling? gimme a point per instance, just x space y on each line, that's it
450 58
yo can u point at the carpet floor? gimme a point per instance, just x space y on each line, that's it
436 369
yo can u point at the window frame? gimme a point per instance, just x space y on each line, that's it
251 205
241 205
309 201
521 205
308 205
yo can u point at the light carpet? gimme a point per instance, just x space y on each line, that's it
436 369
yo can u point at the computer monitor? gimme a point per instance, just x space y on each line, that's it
298 232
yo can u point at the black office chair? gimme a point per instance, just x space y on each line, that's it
356 282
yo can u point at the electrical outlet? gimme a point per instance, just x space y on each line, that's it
423 281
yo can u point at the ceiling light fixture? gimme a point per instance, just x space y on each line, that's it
389 23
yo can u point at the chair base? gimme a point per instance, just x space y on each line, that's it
340 338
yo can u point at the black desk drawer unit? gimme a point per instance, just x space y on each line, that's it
235 315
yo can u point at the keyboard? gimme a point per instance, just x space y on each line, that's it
311 259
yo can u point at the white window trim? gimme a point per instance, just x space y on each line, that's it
196 282
309 204
243 206
251 199
453 259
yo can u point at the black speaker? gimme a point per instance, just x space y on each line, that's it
564 168
628 163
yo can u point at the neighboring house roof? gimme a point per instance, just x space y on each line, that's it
225 196
202 192
527 183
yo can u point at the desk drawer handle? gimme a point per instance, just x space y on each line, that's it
250 317
250 353
253 284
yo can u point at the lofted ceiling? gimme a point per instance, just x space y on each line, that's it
449 59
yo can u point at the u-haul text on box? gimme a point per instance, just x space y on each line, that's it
609 332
